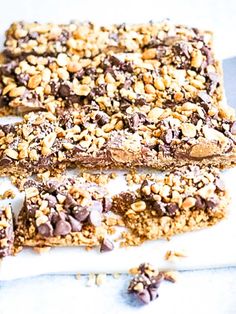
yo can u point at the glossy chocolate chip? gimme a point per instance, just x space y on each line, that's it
200 203
211 204
64 90
76 226
70 202
95 218
46 229
62 228
168 136
52 201
81 214
102 118
4 161
144 296
171 209
106 246
159 208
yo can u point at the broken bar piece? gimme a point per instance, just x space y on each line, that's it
161 66
186 199
62 213
43 141
6 231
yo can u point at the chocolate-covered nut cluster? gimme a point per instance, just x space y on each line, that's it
184 199
145 284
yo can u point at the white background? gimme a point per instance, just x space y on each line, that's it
197 292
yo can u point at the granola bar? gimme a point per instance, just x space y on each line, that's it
159 66
62 213
186 199
43 141
6 231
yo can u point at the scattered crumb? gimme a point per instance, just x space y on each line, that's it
91 280
78 276
171 276
116 275
100 279
7 194
41 250
99 178
172 255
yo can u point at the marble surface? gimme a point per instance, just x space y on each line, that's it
195 292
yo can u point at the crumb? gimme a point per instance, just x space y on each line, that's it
100 279
91 280
41 250
172 255
171 276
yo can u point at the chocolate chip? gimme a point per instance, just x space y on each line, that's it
22 78
81 214
159 208
135 120
73 99
2 233
45 229
127 67
7 128
171 209
95 218
207 52
62 228
233 128
144 296
76 226
52 186
53 88
64 36
107 204
90 71
140 102
102 118
211 204
52 201
69 202
168 136
8 69
219 184
64 90
127 83
115 61
5 161
200 203
79 75
214 81
106 246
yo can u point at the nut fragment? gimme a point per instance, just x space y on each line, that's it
34 81
188 129
138 206
11 153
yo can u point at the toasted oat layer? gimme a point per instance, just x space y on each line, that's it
62 213
129 68
6 231
186 199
